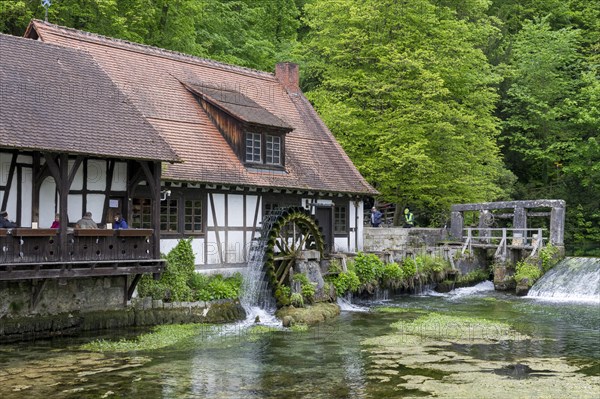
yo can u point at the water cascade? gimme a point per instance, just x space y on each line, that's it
573 279
256 295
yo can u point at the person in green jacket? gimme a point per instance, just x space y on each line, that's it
409 219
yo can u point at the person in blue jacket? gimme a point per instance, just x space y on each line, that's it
4 222
120 223
375 217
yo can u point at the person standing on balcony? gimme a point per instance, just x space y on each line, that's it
120 223
4 222
86 222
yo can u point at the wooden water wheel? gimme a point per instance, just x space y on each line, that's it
294 231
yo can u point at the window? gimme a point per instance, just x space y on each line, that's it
168 215
253 144
340 219
273 152
142 213
193 216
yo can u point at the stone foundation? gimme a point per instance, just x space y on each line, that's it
144 312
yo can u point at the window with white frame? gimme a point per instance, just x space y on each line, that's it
253 147
273 150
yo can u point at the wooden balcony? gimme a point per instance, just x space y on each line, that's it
36 253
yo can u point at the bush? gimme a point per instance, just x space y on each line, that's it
297 300
307 288
476 276
208 288
432 264
368 267
180 282
527 270
548 257
392 272
344 282
409 268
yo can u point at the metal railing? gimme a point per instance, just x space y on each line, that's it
503 238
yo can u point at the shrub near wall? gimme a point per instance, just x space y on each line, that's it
530 269
180 282
367 272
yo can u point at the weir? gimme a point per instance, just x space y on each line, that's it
574 279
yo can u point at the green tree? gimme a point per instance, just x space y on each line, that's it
409 94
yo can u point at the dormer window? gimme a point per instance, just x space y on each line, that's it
253 147
264 148
256 135
273 150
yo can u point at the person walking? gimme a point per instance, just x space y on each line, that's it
375 217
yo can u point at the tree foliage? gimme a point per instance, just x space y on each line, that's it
436 101
411 98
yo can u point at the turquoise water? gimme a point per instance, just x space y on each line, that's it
552 351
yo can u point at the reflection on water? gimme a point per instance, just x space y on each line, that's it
358 355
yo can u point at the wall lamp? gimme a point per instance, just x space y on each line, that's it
164 194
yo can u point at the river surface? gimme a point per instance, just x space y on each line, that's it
551 350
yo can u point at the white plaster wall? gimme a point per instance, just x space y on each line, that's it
77 180
235 210
219 206
47 202
26 198
360 226
11 205
75 205
341 244
212 248
251 209
96 175
167 244
119 181
95 204
235 247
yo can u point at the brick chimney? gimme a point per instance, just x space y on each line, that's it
288 76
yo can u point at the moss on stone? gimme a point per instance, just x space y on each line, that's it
309 315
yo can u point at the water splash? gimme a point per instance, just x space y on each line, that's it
572 279
346 306
457 293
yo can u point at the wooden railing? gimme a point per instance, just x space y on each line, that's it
36 253
503 238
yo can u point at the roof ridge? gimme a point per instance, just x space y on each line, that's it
153 50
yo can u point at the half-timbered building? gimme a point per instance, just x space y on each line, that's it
70 143
249 141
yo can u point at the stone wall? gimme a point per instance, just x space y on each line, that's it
378 239
60 296
141 312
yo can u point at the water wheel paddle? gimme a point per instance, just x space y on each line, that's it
295 230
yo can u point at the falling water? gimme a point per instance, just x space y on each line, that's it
256 295
573 279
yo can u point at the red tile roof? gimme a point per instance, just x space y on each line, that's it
151 80
58 99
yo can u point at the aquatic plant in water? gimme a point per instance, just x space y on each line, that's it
458 329
160 337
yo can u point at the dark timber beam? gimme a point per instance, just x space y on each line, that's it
131 288
11 173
